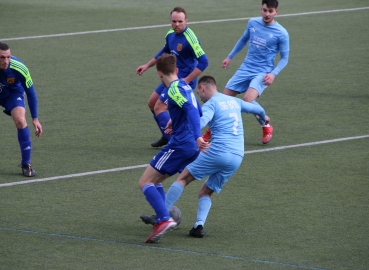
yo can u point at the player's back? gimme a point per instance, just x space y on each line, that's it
226 125
181 101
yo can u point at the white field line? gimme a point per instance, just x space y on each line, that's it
144 165
168 25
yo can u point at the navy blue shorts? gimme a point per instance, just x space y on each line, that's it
174 158
14 100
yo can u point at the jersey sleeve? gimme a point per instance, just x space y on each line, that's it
241 43
284 49
282 63
27 84
194 42
202 60
207 113
32 101
256 109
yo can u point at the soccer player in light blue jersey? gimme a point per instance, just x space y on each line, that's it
182 42
222 113
266 38
183 147
15 80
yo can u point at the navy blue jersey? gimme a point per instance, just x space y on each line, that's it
16 78
185 112
187 49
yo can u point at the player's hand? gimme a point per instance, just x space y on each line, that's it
141 69
268 79
202 145
185 80
226 62
37 126
168 127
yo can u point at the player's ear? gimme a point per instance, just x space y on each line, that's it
202 88
176 70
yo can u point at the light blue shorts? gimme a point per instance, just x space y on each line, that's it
218 166
240 82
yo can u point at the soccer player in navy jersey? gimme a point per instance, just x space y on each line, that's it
15 80
266 38
183 147
182 42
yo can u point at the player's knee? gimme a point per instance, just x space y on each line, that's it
152 101
205 191
20 123
160 107
251 95
151 104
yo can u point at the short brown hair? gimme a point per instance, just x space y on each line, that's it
4 47
179 10
166 63
207 79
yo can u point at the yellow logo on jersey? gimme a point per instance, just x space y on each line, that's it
179 47
10 80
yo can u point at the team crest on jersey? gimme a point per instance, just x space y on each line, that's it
179 47
10 80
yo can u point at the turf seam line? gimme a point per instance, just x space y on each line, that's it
145 165
162 248
168 25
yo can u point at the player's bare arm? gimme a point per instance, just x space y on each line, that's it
194 74
141 69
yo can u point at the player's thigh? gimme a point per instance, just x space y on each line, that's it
19 117
151 176
217 180
258 84
164 96
155 96
160 106
209 163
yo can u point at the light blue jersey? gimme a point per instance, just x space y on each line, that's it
222 114
265 42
